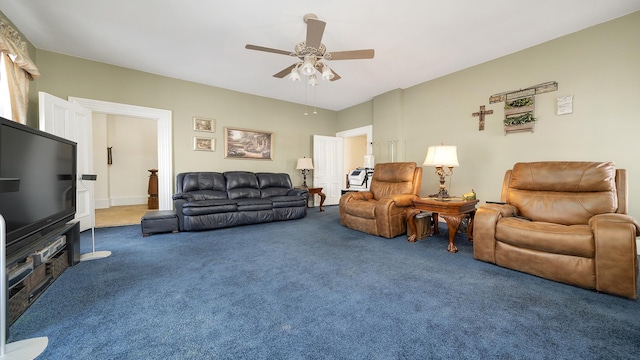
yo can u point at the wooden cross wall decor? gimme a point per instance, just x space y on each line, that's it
481 115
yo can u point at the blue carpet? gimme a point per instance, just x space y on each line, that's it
312 289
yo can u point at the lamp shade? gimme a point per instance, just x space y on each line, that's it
304 163
445 156
313 80
308 66
295 74
327 74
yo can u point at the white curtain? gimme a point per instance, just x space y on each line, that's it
18 70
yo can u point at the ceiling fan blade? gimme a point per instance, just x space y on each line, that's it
335 76
262 48
352 54
284 72
315 29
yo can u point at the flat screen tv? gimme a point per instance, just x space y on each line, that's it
45 165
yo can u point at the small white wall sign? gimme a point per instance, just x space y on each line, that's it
564 105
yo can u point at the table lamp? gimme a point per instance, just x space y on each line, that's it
444 158
305 165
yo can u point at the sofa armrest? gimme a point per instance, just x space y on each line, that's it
298 192
484 229
616 258
178 204
184 196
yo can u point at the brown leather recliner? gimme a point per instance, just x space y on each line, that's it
576 230
381 211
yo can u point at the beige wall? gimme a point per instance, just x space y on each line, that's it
388 125
65 76
134 151
355 149
599 66
355 117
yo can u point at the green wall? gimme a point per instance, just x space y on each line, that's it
65 76
599 66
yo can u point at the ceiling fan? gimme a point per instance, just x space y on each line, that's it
311 52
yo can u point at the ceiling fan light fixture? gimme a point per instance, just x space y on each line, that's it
309 66
295 74
327 74
313 80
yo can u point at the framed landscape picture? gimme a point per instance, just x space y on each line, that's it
248 144
203 143
204 124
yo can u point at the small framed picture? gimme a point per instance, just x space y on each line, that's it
204 124
204 143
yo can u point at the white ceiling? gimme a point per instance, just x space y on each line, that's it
203 40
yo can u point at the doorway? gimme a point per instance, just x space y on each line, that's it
163 119
329 155
124 150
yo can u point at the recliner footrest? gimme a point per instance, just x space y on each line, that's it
162 221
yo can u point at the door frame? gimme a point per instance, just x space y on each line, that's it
165 147
363 130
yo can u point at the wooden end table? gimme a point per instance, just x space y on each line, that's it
313 191
452 211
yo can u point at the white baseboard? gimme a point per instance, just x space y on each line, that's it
102 203
123 201
120 201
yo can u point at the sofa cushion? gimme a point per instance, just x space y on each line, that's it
254 204
567 193
242 184
288 201
272 184
365 209
198 195
204 181
204 207
574 240
393 179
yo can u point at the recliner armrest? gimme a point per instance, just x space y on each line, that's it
505 210
619 218
358 195
616 258
484 229
403 200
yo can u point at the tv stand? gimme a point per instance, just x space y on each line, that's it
33 285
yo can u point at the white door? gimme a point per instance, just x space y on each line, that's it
328 158
73 122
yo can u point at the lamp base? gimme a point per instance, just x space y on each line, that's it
95 255
442 194
304 178
25 349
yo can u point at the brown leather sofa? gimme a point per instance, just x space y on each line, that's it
382 210
576 230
